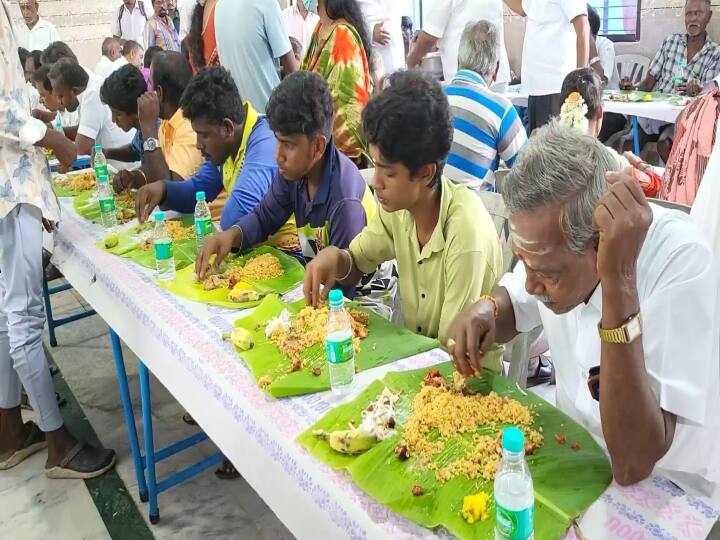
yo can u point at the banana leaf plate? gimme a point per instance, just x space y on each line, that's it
130 245
86 205
386 342
566 480
63 190
187 287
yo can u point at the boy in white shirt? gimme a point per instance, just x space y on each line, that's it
557 40
77 91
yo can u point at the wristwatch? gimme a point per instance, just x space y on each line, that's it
627 333
150 144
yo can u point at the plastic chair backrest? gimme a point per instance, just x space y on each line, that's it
671 205
633 66
367 175
495 205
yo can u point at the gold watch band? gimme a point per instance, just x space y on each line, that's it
627 333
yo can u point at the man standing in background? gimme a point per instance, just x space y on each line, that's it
251 38
300 23
384 21
129 21
37 33
443 25
557 41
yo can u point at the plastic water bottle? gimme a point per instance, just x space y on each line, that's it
164 258
203 220
339 345
99 162
58 123
514 496
106 201
679 75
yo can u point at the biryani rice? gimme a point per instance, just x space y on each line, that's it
442 432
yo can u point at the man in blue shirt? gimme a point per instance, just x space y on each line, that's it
486 125
316 182
236 142
251 39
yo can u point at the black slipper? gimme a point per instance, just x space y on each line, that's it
227 471
83 462
189 420
545 373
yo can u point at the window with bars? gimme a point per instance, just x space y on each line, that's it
619 19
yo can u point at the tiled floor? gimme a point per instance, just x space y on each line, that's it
33 507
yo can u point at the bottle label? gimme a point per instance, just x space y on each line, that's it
163 250
107 205
204 227
514 524
339 352
101 170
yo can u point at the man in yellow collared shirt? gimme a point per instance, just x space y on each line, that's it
169 144
445 243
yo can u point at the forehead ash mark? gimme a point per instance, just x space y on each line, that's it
534 247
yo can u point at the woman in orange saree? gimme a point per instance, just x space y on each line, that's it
340 51
201 38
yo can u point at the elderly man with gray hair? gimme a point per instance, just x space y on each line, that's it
487 128
627 293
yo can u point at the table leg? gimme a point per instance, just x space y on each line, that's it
129 415
149 444
636 135
48 311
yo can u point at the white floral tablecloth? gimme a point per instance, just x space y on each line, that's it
180 342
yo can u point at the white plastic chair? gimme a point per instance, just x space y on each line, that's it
367 175
518 349
633 66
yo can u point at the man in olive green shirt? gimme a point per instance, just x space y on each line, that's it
445 243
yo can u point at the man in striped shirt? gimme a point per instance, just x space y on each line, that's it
487 126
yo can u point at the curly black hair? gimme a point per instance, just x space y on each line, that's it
23 54
122 89
301 104
213 96
70 73
172 73
410 122
350 11
587 83
57 50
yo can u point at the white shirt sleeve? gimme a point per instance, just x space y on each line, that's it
573 8
115 25
93 115
54 34
437 17
606 52
679 307
525 306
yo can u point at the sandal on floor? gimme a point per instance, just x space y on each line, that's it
227 471
188 419
34 442
544 373
83 462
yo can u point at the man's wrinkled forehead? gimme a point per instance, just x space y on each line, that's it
537 231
